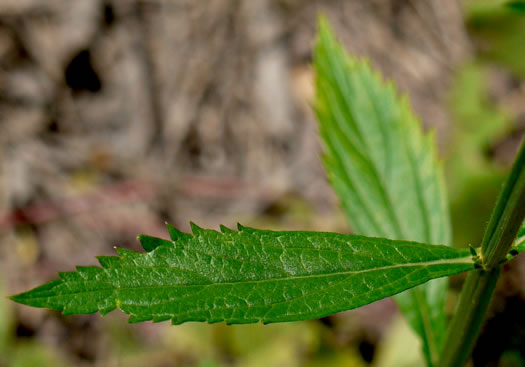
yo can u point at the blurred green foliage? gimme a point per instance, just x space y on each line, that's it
518 6
471 173
497 31
5 325
22 353
478 122
32 354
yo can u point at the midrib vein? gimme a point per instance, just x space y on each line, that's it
457 261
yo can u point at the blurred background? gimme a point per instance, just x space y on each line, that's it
119 115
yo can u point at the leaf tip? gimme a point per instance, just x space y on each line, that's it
323 25
150 243
133 318
195 228
225 229
15 297
33 297
108 261
175 233
104 311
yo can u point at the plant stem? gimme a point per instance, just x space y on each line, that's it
505 221
507 215
474 301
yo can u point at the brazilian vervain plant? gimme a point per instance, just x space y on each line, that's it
386 173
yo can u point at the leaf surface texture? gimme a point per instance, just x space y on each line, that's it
247 276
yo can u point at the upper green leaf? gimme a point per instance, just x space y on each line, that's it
247 276
383 168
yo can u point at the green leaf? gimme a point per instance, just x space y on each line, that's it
383 168
247 276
